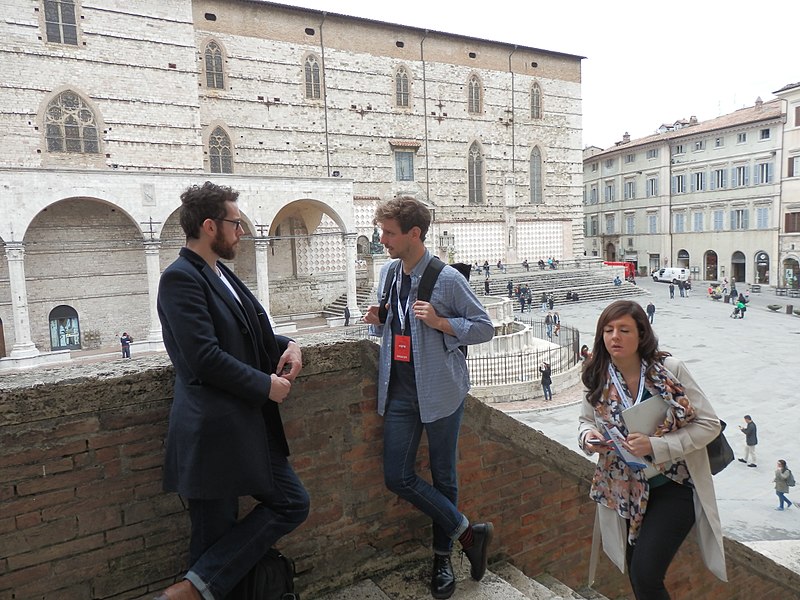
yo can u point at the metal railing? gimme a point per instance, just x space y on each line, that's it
519 367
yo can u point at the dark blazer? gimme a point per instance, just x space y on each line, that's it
221 419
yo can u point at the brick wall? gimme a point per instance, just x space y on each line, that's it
82 515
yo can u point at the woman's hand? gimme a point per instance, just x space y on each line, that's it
639 445
601 445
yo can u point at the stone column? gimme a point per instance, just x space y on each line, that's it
350 259
511 221
262 273
23 344
152 258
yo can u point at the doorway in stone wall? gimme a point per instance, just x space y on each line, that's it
65 329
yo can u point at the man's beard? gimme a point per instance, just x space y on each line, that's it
222 248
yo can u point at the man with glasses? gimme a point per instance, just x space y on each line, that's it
225 437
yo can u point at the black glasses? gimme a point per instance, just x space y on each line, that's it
237 222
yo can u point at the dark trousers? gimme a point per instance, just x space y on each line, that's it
667 521
222 549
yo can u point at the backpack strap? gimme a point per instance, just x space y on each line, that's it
383 309
429 277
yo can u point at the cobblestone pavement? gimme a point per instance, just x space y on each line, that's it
745 366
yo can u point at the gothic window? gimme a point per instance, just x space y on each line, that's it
313 87
536 102
214 73
475 174
401 85
537 196
70 125
60 23
474 104
220 155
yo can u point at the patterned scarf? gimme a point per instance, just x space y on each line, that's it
615 485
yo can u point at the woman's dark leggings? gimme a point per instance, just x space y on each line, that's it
667 521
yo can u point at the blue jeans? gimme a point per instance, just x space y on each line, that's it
782 497
548 394
402 431
222 551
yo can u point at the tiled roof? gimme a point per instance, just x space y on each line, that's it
752 114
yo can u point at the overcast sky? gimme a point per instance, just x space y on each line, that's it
647 63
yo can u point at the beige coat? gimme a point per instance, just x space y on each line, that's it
687 443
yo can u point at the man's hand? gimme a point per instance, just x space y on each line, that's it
372 318
425 312
292 358
279 388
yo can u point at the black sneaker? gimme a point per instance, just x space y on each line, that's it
751 465
478 553
443 581
742 460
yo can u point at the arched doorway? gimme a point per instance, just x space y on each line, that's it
762 267
738 266
362 246
711 265
65 330
683 259
611 252
791 273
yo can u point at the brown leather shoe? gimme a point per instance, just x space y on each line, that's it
183 590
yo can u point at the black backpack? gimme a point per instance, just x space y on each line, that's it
426 283
271 579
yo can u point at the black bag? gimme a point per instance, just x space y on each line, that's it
271 579
720 453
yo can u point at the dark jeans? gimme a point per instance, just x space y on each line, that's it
402 431
222 551
548 394
667 521
126 352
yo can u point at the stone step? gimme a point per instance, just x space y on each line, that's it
502 581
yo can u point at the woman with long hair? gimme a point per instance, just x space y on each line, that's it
782 475
645 513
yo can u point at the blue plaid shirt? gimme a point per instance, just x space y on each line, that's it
440 368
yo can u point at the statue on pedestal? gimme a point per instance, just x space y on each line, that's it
375 246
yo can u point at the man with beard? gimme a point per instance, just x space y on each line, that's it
225 437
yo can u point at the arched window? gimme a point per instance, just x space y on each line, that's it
475 174
537 194
220 155
60 23
683 259
536 102
214 74
401 86
313 87
65 330
70 125
474 90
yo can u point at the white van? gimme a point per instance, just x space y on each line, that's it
670 274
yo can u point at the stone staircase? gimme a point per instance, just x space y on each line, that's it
589 283
364 297
502 581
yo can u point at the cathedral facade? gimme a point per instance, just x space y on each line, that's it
110 111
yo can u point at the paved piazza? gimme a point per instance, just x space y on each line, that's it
748 366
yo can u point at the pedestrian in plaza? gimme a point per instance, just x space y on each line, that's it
544 302
526 265
651 311
585 354
486 286
783 480
125 341
556 323
671 291
682 289
547 381
548 324
550 301
486 268
422 385
644 514
510 288
346 316
742 308
750 441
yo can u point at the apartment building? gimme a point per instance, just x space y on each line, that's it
703 195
